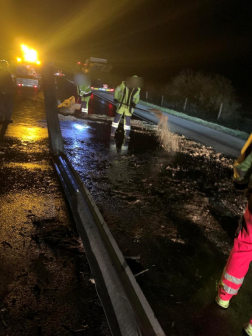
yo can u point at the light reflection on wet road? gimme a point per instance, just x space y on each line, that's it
45 286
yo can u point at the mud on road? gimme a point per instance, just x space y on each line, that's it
173 212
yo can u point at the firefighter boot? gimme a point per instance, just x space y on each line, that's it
219 301
222 303
84 109
248 329
112 134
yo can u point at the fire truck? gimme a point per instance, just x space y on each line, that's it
98 69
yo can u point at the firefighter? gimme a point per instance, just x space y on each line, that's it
126 98
6 93
241 254
85 92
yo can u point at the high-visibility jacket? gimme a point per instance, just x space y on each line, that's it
243 168
126 97
84 91
243 174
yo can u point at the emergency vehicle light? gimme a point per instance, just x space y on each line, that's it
30 55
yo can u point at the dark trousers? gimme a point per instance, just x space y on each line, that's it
116 121
6 106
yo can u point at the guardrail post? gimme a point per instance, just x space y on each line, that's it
146 95
162 100
185 105
55 137
220 110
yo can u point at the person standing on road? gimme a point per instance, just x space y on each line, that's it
6 93
126 97
84 92
241 254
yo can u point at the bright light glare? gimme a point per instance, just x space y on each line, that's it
30 55
19 59
80 127
38 62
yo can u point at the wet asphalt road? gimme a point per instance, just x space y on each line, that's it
172 209
45 280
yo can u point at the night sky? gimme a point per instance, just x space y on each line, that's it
154 39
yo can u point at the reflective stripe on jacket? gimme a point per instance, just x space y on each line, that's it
84 90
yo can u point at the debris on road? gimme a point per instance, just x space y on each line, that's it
68 106
133 258
5 243
3 311
135 275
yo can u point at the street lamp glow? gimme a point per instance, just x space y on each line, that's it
19 59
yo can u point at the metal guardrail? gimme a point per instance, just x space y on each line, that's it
140 116
126 308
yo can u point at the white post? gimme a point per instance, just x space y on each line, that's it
146 95
185 104
162 100
220 110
